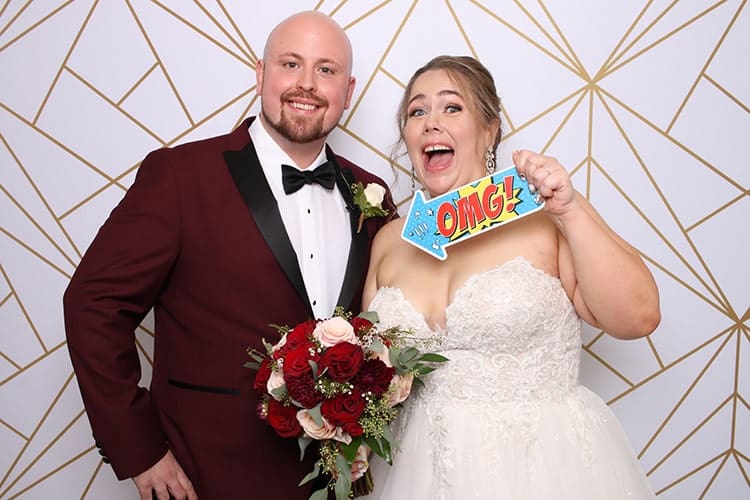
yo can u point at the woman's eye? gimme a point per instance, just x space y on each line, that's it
453 108
416 112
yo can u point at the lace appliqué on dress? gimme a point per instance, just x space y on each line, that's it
513 342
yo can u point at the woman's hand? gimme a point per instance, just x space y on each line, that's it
549 179
360 464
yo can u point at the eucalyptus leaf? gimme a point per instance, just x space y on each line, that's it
312 474
394 355
377 345
389 445
315 414
252 365
344 479
279 392
371 316
303 443
319 495
268 346
314 367
407 355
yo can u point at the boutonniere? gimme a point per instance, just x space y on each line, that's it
369 200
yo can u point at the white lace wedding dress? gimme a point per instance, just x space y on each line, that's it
506 417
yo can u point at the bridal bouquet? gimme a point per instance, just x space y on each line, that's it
339 381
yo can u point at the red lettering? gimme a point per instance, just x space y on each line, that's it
470 212
446 219
489 202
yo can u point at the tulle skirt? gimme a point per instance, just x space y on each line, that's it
572 449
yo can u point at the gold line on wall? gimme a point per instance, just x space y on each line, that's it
703 71
151 47
31 219
112 103
665 202
729 95
569 65
33 26
137 83
64 63
225 31
379 64
205 35
616 56
33 435
250 52
669 35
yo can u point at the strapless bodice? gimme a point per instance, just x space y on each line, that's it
511 334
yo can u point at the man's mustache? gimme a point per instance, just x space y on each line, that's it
307 96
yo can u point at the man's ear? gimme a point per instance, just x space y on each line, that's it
350 91
258 76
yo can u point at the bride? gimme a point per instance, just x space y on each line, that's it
506 417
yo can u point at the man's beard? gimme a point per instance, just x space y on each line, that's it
302 130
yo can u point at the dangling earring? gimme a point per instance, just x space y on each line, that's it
413 182
489 161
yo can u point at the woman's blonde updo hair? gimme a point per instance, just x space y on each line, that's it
473 78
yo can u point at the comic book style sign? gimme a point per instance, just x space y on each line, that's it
435 224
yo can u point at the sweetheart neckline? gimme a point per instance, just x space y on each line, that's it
442 329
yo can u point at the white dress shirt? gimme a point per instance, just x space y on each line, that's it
316 221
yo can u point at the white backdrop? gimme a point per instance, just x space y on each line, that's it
646 102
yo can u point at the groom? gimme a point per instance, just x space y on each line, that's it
222 237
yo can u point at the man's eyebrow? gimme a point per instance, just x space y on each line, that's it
322 60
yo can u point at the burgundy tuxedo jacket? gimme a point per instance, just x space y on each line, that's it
198 237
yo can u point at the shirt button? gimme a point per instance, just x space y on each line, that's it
311 256
315 302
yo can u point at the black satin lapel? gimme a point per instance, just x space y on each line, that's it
253 186
357 264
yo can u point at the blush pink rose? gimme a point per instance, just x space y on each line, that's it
275 380
334 331
400 389
320 432
383 356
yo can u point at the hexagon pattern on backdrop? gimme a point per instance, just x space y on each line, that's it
646 103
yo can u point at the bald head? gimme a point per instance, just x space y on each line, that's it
305 82
313 24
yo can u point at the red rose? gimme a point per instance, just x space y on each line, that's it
374 376
342 361
353 429
297 360
283 419
300 333
261 378
360 325
343 408
302 390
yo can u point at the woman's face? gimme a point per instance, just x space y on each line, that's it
443 136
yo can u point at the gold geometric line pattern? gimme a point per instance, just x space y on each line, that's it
34 433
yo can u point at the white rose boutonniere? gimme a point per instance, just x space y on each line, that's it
369 199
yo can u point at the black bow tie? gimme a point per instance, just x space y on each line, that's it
293 179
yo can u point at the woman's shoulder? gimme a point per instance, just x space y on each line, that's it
390 230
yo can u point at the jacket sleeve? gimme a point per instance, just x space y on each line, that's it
116 283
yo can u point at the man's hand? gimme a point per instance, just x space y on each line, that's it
165 480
